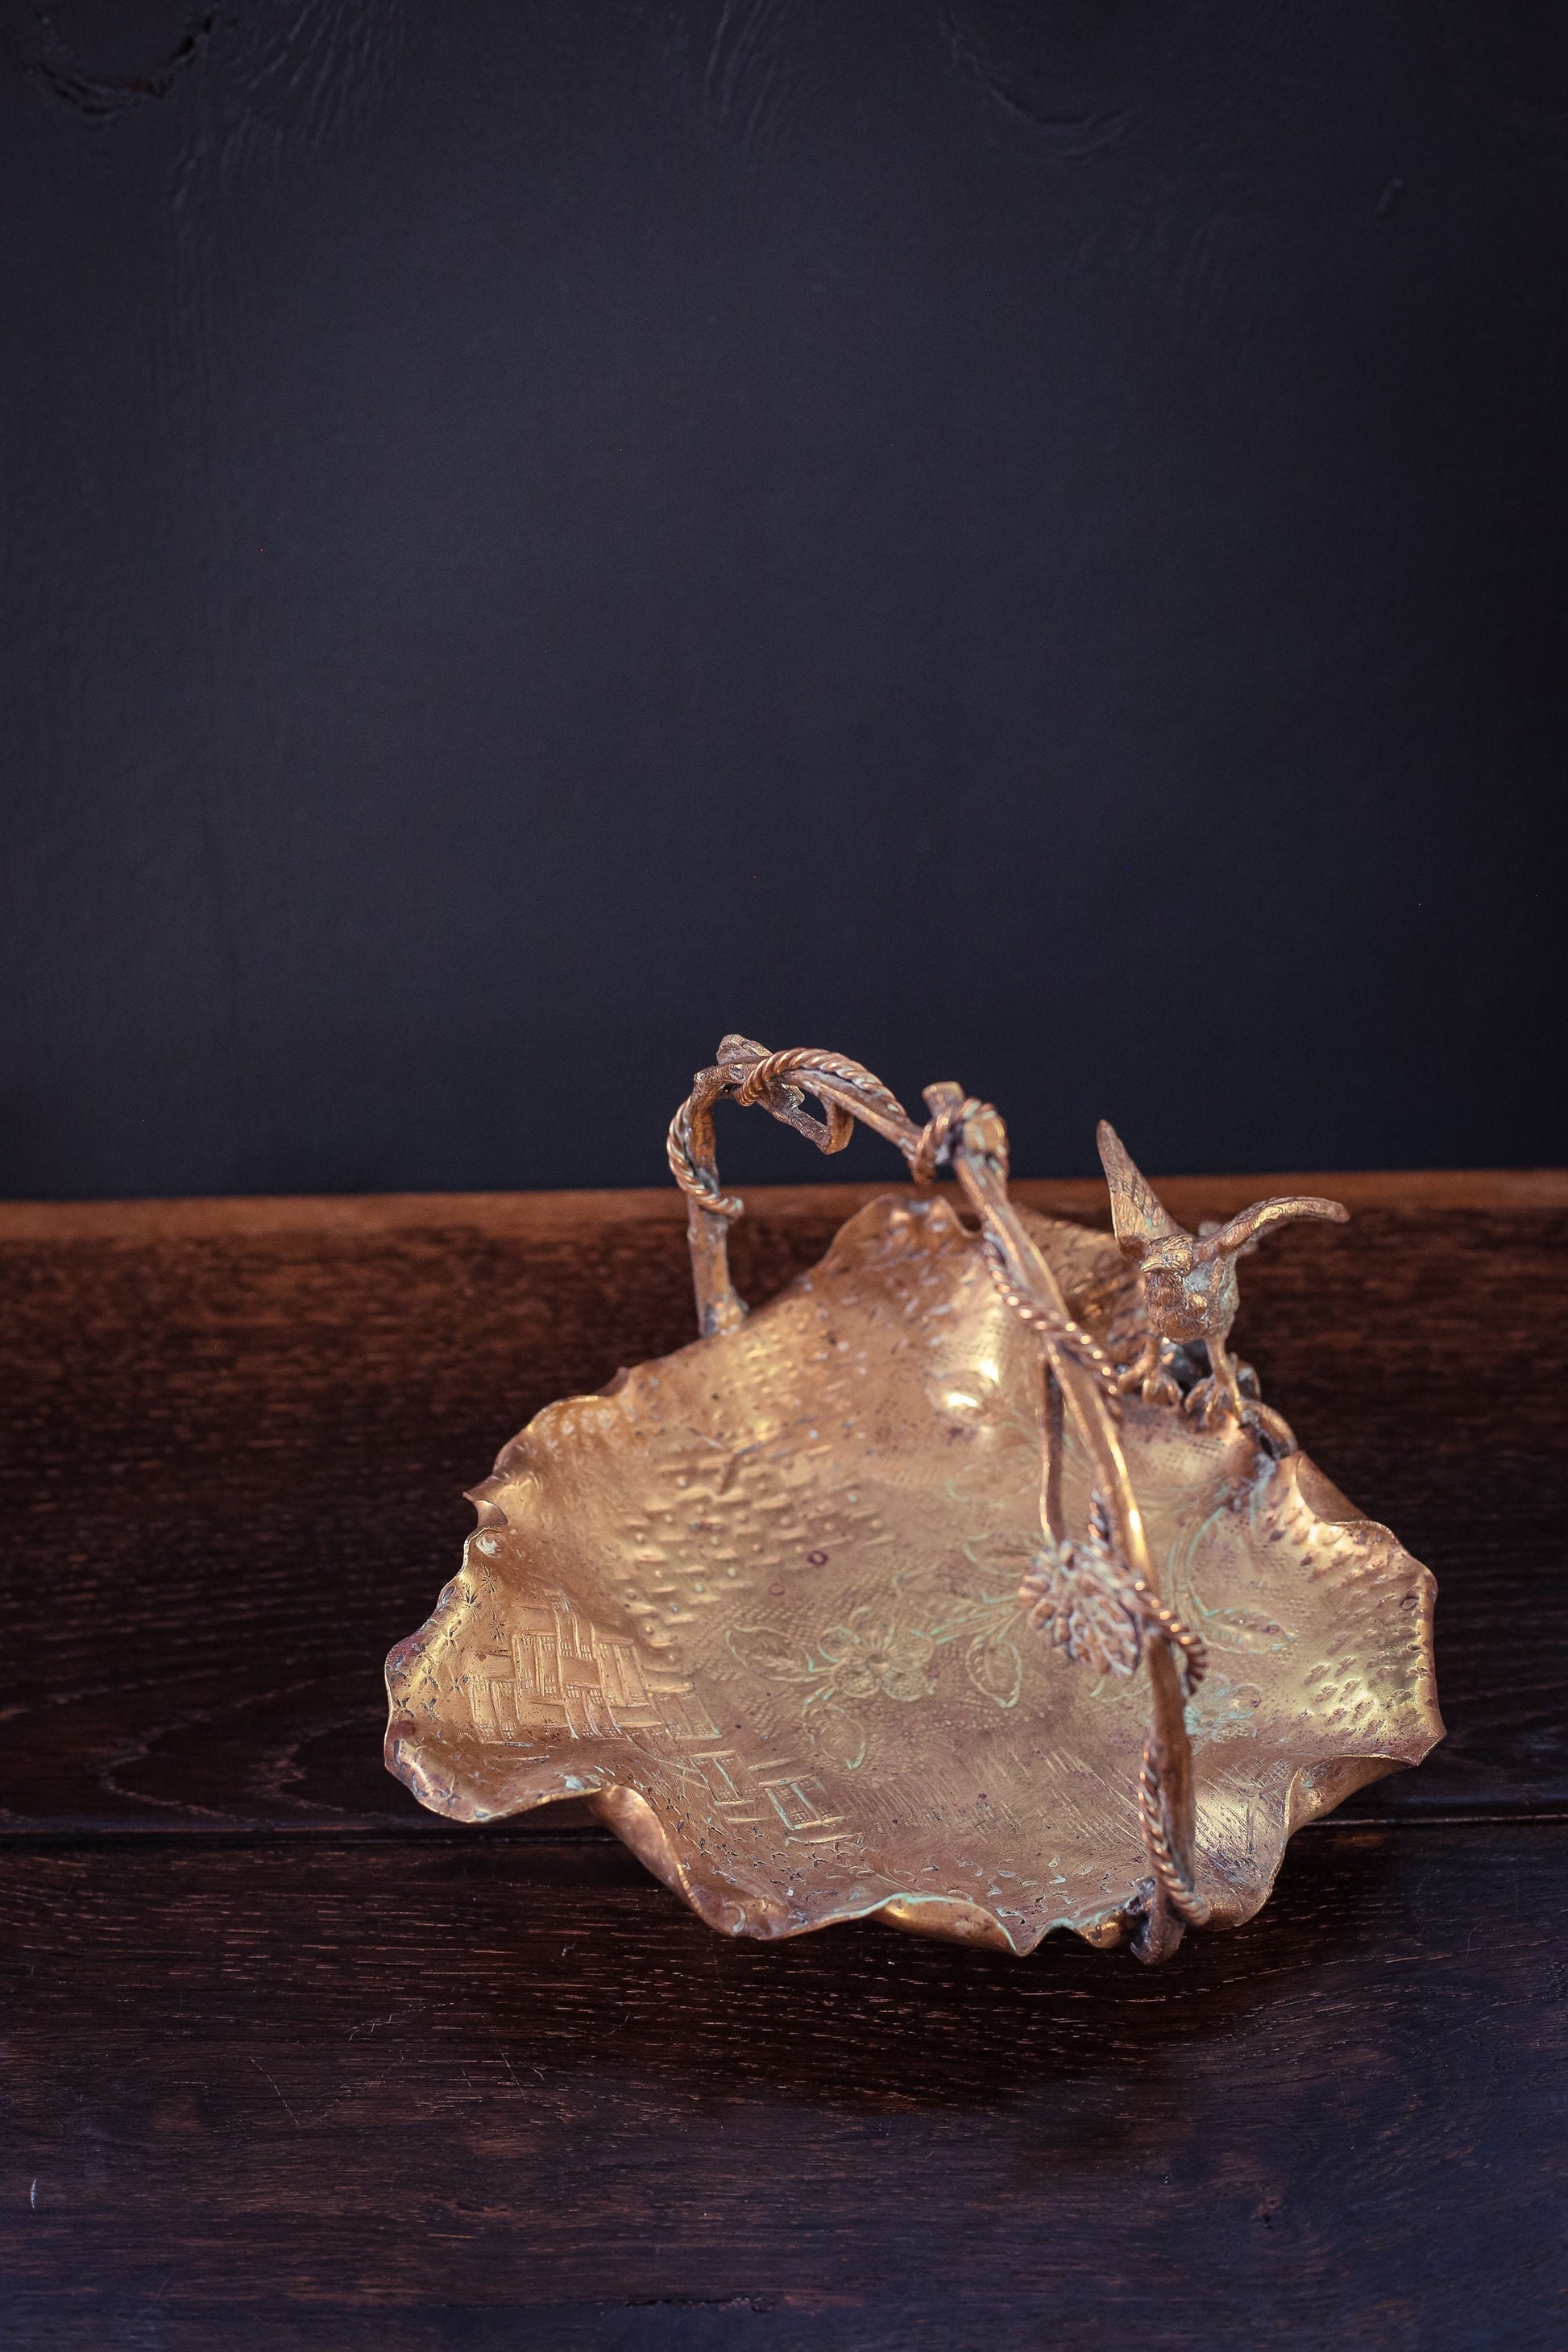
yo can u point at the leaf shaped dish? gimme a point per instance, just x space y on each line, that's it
759 1601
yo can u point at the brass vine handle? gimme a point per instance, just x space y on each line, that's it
1111 1558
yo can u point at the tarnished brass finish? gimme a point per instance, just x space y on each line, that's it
776 1602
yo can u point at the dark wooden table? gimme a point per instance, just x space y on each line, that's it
287 2062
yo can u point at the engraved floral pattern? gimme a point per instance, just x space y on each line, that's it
861 1660
854 1665
1223 1546
1223 1709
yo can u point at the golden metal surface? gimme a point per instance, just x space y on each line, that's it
776 1602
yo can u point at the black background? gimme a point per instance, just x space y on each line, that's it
1023 542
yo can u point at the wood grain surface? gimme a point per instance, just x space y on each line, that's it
488 2093
288 2061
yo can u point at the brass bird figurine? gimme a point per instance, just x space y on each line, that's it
1188 1282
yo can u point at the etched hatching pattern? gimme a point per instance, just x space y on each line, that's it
770 1584
1370 1673
562 1677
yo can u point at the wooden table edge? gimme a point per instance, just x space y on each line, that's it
546 1215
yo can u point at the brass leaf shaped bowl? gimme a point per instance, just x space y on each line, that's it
764 1601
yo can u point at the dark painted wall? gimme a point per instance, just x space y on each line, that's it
1024 541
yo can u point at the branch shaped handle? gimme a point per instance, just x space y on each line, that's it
968 1137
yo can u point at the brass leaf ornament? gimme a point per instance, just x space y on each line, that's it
1085 1599
967 1584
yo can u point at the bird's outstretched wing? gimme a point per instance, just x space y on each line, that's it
1135 1212
1242 1230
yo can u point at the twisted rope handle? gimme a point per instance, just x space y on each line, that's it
968 1137
1066 1333
748 1073
1172 1875
692 1175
